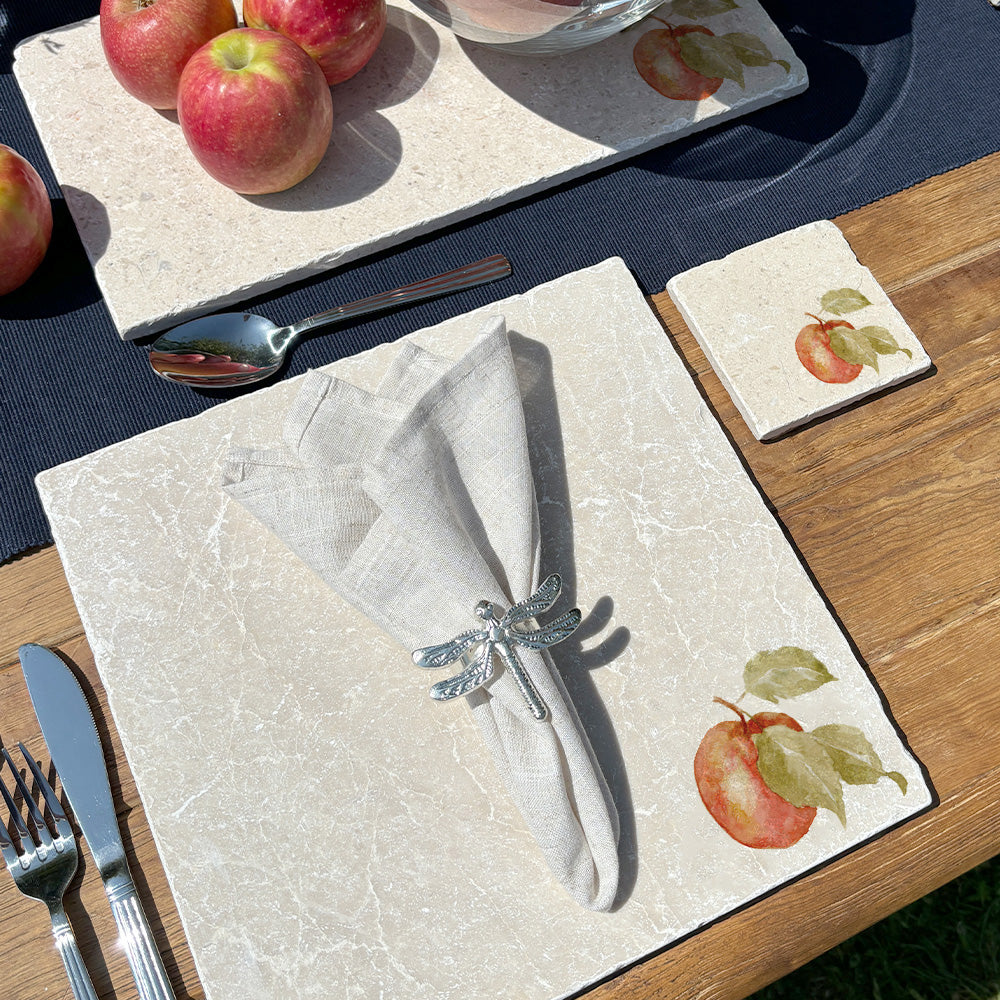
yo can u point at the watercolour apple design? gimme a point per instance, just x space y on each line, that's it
732 789
834 350
762 777
657 57
690 62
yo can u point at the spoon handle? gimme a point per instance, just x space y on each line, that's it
479 273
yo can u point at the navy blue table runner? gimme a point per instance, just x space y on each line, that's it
900 91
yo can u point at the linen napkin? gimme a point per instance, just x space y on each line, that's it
414 503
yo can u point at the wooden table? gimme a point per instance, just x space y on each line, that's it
893 505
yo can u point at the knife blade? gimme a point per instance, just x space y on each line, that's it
75 747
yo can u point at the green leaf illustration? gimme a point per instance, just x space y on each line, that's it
796 766
843 300
853 756
882 341
697 9
749 49
711 56
853 346
784 673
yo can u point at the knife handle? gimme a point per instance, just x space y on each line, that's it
147 967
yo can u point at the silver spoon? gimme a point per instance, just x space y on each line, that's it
230 349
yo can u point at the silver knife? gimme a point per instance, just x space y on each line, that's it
71 736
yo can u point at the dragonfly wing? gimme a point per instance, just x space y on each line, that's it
541 600
548 635
476 675
447 652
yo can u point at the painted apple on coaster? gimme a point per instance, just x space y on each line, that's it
796 327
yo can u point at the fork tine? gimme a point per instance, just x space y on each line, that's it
6 844
34 813
15 813
56 810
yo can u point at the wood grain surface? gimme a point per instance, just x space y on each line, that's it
893 506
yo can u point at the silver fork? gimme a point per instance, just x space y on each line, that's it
44 870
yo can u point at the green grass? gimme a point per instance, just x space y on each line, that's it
945 946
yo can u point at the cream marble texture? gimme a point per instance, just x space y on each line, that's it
432 131
747 309
271 727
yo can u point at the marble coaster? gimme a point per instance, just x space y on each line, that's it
795 327
433 131
265 718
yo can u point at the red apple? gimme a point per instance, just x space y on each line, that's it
148 42
25 220
812 346
255 110
341 35
657 57
730 785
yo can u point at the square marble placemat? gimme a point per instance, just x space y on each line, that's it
431 132
796 327
264 718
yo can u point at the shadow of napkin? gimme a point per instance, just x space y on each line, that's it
414 503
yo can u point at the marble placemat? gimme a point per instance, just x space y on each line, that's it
265 719
797 327
431 132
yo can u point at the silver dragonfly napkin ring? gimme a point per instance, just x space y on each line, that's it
500 636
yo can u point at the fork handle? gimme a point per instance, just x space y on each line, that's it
147 967
69 952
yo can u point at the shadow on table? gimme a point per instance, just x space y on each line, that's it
852 92
575 663
64 282
851 95
855 22
848 101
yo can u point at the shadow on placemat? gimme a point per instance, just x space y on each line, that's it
533 362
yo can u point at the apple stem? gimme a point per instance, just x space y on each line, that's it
739 711
822 323
653 17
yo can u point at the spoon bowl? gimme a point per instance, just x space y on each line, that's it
237 349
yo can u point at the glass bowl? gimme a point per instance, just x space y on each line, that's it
536 27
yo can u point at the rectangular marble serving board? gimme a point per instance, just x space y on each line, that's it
264 718
432 131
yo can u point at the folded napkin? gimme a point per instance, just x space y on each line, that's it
415 503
